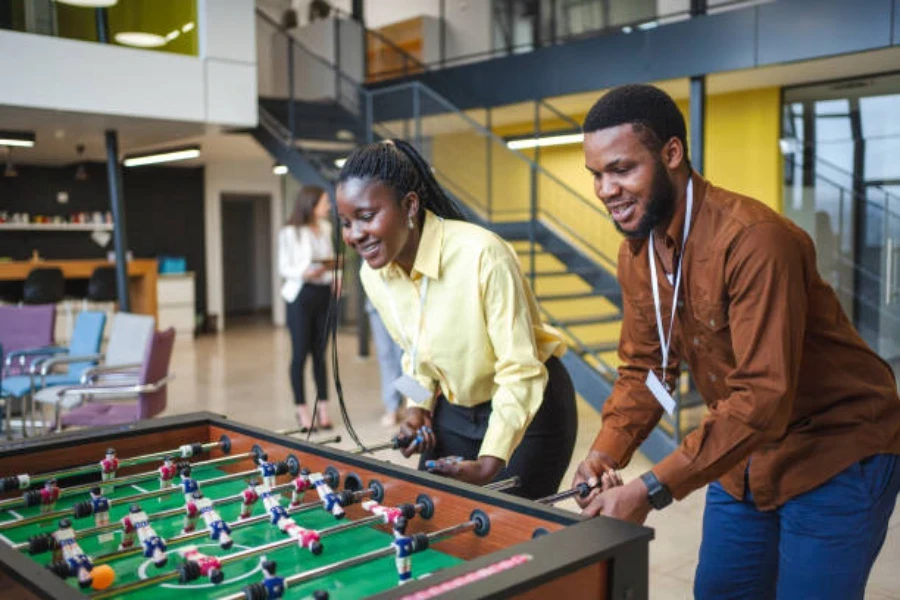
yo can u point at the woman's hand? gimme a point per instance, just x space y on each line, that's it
417 427
314 271
478 472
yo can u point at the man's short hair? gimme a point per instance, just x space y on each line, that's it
648 108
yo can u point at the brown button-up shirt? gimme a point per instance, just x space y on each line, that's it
790 385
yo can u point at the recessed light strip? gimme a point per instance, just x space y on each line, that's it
162 157
550 140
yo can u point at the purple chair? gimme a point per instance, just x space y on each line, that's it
150 391
23 328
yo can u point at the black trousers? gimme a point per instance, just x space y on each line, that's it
307 323
544 454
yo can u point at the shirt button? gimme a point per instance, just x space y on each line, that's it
681 304
712 377
696 341
712 322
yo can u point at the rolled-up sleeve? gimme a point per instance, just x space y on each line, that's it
631 412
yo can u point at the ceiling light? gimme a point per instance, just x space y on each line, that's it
340 162
648 25
279 169
187 27
162 156
550 140
172 35
345 134
89 3
139 39
22 139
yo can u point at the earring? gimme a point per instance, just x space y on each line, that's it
410 223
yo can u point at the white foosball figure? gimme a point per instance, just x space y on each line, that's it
330 500
218 529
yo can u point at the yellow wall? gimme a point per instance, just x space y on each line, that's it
742 154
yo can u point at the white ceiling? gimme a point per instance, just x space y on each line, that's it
58 133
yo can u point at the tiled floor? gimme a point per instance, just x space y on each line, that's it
243 374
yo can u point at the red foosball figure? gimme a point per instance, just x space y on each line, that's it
301 484
196 564
249 497
108 468
49 495
167 472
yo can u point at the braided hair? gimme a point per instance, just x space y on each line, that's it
398 166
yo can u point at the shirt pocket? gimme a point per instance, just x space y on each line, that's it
711 332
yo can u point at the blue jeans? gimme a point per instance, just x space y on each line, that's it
389 355
819 545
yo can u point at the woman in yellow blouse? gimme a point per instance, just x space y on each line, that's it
487 393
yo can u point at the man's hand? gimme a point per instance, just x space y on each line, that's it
478 472
417 426
628 502
590 470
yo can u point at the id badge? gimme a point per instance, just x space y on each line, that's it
660 392
412 389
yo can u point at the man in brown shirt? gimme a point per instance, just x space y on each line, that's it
801 439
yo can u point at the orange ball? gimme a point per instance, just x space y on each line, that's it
103 576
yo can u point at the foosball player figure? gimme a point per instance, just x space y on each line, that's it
218 529
137 524
49 496
390 514
301 484
270 588
403 548
266 469
189 487
197 564
278 516
100 510
108 468
249 498
330 501
69 559
167 472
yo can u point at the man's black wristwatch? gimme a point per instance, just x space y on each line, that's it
658 495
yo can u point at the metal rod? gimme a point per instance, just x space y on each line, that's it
237 556
173 512
581 490
348 563
290 62
58 514
503 484
127 480
125 462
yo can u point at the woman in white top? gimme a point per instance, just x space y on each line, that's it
305 261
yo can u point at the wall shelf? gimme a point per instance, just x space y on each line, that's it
56 227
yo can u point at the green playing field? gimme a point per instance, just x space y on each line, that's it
357 582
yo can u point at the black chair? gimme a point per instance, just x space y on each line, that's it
44 285
102 285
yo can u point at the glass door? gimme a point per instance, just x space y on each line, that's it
842 185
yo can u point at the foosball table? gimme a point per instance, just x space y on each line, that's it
197 506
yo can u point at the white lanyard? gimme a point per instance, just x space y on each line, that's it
415 341
664 340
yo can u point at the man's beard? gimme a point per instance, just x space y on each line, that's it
660 208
